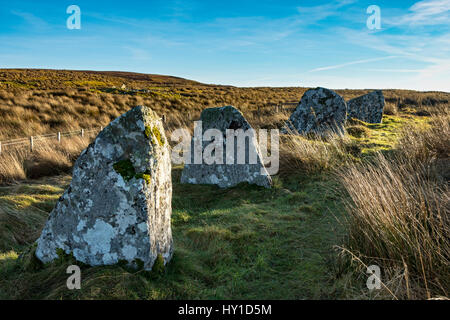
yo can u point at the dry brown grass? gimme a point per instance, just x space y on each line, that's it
34 102
398 216
313 155
48 159
390 109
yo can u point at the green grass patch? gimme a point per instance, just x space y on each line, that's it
374 137
242 242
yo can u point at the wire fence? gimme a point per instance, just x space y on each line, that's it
31 142
283 107
286 106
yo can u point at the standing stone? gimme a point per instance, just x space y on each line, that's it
368 108
118 205
320 111
227 171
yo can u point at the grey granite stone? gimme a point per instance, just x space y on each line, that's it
320 111
118 205
229 172
368 108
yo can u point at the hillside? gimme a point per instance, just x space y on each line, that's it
57 79
34 102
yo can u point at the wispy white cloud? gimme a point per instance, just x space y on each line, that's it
317 13
181 8
422 13
33 21
429 53
394 70
338 66
138 54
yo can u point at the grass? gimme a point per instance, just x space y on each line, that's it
378 195
48 159
398 215
23 211
239 243
273 244
374 137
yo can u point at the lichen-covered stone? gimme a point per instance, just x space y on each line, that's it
320 111
368 108
118 205
230 172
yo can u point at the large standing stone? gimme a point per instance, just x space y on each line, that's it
118 205
368 108
320 111
230 171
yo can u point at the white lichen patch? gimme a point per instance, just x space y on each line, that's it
142 227
110 258
81 225
125 219
99 237
213 179
129 252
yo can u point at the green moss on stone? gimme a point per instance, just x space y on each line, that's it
158 136
154 132
158 266
125 169
64 258
147 177
148 132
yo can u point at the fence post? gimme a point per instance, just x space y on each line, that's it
59 137
82 133
31 144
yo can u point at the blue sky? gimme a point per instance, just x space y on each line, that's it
242 43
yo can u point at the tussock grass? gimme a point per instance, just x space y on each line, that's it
398 215
313 155
390 109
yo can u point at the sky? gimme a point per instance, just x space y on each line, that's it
242 43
